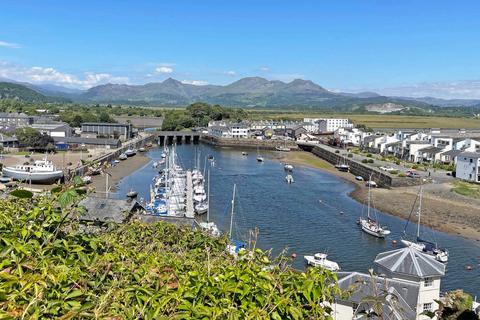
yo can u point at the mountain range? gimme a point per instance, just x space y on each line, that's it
246 92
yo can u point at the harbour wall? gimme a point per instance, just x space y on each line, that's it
247 143
382 178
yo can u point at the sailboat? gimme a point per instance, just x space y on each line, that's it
259 157
283 148
343 166
209 226
371 225
235 246
420 244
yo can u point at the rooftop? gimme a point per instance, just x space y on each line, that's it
408 261
105 124
107 210
474 155
82 140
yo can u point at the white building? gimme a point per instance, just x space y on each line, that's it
350 136
467 167
226 130
329 124
239 131
408 279
53 129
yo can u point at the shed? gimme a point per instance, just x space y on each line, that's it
100 210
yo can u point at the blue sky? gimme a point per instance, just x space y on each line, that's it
401 46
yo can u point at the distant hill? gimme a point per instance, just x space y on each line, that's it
20 92
246 92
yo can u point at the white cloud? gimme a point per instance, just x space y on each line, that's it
264 69
10 45
42 75
463 89
195 82
164 69
231 73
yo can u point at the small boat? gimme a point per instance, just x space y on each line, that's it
87 179
289 179
422 245
259 157
116 161
283 149
244 153
371 183
5 179
288 167
41 171
130 152
132 193
211 228
141 149
369 224
123 156
201 208
343 167
210 157
320 260
163 155
95 171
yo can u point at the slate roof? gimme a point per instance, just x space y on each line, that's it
408 261
83 140
401 296
452 153
431 149
107 210
474 155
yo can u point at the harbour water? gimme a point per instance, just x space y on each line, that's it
314 214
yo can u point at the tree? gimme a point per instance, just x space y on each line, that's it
32 138
455 305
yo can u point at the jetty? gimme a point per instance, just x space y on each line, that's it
189 212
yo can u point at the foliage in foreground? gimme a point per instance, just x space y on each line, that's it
51 267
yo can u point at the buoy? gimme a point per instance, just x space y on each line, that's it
468 267
394 242
341 212
294 255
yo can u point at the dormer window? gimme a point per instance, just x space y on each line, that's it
428 282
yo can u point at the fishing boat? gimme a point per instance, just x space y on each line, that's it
370 224
41 171
288 167
209 226
419 244
123 156
320 260
130 152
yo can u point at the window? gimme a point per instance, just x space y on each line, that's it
427 307
428 282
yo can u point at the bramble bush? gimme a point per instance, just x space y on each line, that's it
52 266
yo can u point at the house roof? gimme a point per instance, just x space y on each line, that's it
452 153
411 262
107 210
401 296
4 138
50 126
431 149
106 124
474 155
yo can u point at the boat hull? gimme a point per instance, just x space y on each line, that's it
36 177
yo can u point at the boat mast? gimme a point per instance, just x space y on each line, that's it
208 197
369 195
231 215
419 211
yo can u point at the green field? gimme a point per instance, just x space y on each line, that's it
467 189
374 120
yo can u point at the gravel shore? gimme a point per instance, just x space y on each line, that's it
444 210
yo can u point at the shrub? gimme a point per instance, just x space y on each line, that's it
397 162
370 161
402 175
369 155
337 151
52 269
364 160
415 167
350 155
393 172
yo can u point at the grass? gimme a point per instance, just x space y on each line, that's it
375 120
467 189
308 159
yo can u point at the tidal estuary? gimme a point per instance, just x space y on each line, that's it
314 214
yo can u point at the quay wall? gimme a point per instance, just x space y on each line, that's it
382 178
246 143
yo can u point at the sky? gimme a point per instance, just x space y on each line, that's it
415 48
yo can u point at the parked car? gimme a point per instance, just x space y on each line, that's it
359 178
387 168
371 183
413 174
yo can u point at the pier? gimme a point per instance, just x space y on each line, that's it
189 212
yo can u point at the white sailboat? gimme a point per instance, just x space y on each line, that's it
320 260
420 244
209 226
235 246
370 224
259 157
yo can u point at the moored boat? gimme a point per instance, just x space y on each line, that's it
288 167
123 156
370 223
41 171
130 152
320 260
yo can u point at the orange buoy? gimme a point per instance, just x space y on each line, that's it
394 242
294 255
